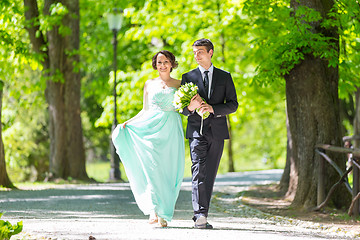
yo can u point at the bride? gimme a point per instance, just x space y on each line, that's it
151 145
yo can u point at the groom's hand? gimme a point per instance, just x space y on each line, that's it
206 108
195 103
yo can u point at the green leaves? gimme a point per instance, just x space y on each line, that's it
285 37
258 41
282 36
347 22
7 229
57 12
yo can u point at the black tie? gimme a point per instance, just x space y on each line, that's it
206 82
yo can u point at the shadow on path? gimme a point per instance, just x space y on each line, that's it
108 200
80 201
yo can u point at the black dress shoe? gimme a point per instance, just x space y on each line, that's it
204 226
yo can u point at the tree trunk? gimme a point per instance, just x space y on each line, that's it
67 155
285 178
231 167
356 145
4 178
312 103
313 111
75 151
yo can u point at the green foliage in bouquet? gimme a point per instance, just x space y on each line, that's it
183 97
7 229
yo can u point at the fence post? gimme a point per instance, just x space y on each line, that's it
355 155
355 189
321 185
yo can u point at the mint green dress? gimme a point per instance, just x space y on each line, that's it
152 151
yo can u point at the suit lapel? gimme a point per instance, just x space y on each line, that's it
198 77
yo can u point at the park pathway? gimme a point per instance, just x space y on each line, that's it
108 211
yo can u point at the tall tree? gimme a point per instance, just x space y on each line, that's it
4 178
305 51
13 48
56 39
313 111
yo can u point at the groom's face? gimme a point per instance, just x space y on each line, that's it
202 56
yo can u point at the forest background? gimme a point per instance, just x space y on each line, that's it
258 42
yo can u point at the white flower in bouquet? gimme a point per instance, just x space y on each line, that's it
183 97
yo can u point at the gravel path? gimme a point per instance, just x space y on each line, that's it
108 211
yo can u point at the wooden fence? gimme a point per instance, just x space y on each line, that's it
355 167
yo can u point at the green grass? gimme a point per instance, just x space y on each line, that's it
100 171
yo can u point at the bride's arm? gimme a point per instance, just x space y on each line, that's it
145 105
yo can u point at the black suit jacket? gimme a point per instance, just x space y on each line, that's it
223 99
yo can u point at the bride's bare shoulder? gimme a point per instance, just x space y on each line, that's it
177 83
150 81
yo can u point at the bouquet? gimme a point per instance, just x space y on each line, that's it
183 97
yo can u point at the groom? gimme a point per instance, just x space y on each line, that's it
206 137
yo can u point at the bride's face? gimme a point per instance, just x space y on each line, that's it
163 64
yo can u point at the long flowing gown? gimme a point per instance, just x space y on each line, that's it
151 149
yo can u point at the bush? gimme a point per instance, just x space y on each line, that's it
7 229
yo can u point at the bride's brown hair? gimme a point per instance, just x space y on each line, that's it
169 56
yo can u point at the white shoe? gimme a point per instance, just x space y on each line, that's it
201 220
202 223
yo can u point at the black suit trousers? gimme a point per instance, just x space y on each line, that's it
206 153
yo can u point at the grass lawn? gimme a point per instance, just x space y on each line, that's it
100 170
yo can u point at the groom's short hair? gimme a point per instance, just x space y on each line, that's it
204 42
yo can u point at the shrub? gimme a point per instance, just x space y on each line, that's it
7 229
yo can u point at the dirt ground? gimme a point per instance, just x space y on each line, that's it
268 199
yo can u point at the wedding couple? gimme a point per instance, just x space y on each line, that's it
151 144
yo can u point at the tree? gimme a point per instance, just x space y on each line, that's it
56 40
313 110
305 51
4 178
13 55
